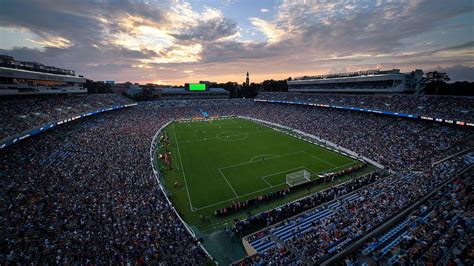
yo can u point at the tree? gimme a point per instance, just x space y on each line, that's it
462 88
436 81
97 87
274 85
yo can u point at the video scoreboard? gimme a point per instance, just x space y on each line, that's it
195 87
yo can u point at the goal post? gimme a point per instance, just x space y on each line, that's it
298 178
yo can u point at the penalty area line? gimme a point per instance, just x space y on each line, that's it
222 174
268 188
265 176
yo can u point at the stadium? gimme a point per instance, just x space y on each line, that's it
351 168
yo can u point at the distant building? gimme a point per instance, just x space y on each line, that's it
247 80
31 78
370 81
121 88
133 90
110 82
171 93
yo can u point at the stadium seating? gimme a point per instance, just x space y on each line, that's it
426 235
447 107
18 115
319 233
87 194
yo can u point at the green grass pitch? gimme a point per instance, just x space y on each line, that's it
223 161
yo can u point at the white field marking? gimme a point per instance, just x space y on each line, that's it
190 124
222 174
214 204
182 169
220 138
262 155
319 159
243 138
236 197
245 135
227 200
265 176
266 182
340 166
278 156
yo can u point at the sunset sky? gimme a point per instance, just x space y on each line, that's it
173 41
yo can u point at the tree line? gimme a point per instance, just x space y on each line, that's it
437 84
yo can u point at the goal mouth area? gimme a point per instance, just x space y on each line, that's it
298 178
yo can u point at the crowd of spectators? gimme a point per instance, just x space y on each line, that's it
17 115
430 232
463 250
350 220
446 107
85 193
281 213
278 255
282 193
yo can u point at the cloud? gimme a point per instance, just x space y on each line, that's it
270 30
80 22
458 72
160 39
341 28
208 30
207 26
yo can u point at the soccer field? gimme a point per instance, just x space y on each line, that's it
216 163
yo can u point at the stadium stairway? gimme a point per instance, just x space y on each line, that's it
469 158
59 155
204 113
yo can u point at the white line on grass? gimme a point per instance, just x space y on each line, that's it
182 169
319 159
209 124
265 176
340 166
220 138
283 155
264 180
241 196
236 197
261 155
214 204
228 183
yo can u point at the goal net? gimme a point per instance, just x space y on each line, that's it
298 178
